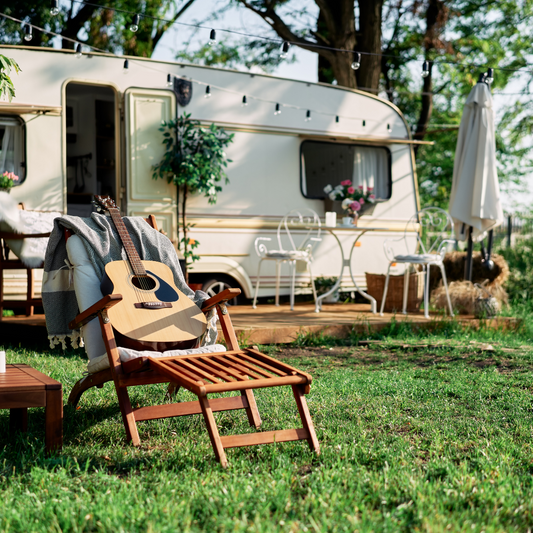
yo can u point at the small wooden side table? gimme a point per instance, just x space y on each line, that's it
21 387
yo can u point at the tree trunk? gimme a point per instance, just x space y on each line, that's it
436 18
369 42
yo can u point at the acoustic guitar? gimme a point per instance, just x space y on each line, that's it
153 314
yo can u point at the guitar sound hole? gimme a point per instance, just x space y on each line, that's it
145 283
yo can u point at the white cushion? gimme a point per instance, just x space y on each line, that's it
126 354
298 255
87 288
418 258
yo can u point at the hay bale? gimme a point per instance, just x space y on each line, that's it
454 264
463 295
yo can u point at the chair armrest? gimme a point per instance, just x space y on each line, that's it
105 303
220 298
19 236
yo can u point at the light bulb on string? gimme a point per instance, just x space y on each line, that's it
308 115
284 50
356 61
277 109
134 26
54 8
169 80
28 32
244 101
425 69
126 65
489 78
79 50
207 92
212 38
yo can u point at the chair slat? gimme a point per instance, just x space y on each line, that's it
199 371
203 363
245 367
234 373
191 373
264 365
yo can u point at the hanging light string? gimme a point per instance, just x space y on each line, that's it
357 55
208 86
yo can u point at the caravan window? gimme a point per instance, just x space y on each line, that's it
12 147
326 163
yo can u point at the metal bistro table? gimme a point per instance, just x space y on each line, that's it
346 263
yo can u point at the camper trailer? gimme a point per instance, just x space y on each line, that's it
84 124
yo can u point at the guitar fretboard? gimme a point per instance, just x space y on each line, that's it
133 256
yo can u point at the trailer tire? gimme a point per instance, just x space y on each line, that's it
218 284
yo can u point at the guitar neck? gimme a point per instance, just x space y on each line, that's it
133 256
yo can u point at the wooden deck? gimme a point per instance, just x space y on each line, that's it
269 324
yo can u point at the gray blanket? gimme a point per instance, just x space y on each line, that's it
103 245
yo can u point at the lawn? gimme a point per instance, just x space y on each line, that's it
418 432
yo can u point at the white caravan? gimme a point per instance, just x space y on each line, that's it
85 125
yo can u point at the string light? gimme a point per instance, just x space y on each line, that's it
212 38
308 115
134 26
207 92
277 109
126 65
79 50
28 32
244 101
54 8
308 45
284 50
356 61
490 75
425 69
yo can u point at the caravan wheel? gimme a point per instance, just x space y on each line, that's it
220 283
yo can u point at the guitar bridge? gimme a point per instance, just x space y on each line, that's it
153 305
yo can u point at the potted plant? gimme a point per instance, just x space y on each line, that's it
349 201
6 85
323 285
195 161
7 180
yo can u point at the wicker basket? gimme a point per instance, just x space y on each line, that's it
375 284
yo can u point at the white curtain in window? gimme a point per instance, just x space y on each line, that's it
7 155
371 170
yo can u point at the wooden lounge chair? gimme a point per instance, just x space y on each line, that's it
239 370
8 261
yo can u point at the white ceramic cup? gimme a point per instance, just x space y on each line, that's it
2 362
331 220
347 221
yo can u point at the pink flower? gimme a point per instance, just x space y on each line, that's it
346 183
370 188
361 201
355 206
372 197
351 190
361 187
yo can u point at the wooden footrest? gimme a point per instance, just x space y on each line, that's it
229 371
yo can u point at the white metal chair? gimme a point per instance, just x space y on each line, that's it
300 229
433 228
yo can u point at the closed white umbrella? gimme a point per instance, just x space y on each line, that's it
475 198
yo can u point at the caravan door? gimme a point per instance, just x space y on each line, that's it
144 111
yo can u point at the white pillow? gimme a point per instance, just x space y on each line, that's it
87 289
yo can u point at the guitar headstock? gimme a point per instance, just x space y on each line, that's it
104 203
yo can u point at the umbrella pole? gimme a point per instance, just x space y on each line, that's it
468 264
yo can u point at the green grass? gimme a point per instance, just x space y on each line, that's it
419 432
